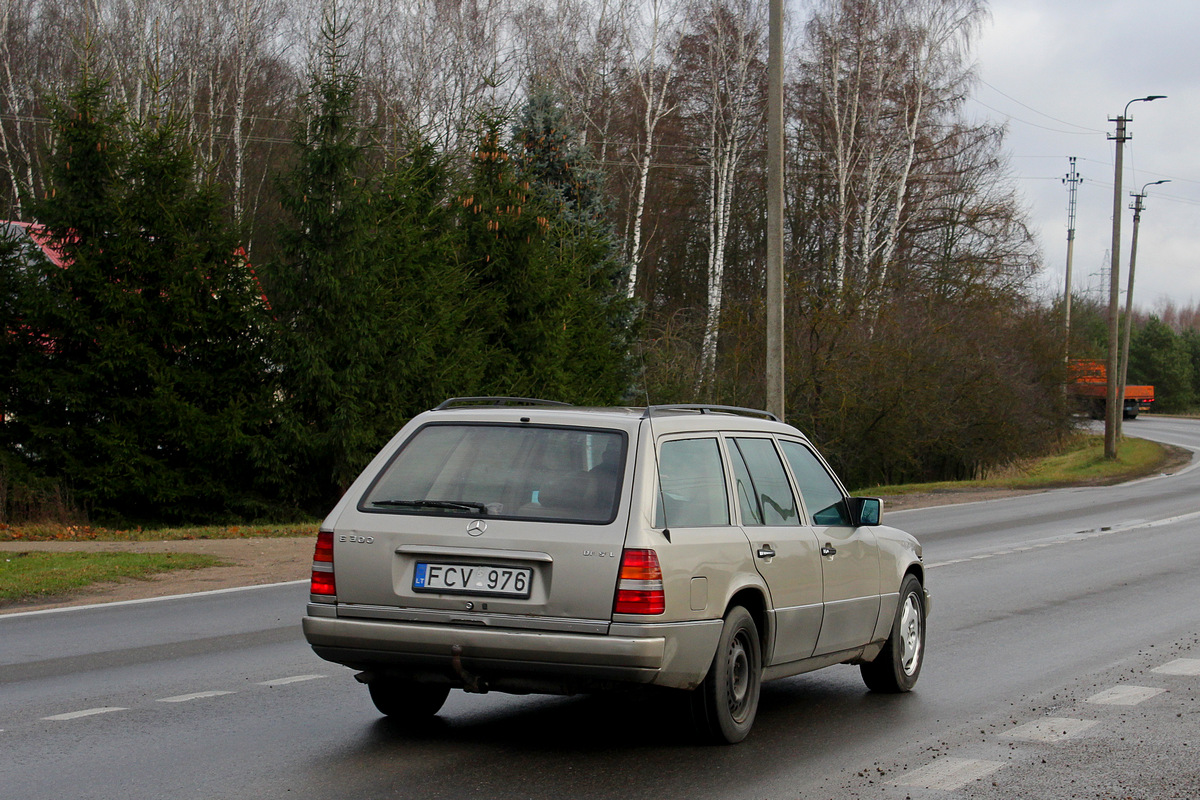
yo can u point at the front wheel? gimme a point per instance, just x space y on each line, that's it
898 665
407 700
725 704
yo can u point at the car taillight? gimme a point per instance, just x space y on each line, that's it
640 584
322 568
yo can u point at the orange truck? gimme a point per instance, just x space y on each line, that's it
1088 384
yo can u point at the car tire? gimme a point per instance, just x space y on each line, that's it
724 705
407 700
898 665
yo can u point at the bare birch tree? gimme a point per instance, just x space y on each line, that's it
37 53
883 76
576 46
433 66
649 35
725 61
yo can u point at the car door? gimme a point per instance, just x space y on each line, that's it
786 551
849 554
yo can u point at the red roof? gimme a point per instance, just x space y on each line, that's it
39 236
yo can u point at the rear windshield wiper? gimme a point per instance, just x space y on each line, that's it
453 505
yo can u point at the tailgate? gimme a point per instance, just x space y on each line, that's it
505 525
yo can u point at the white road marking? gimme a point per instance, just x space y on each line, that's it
1180 666
293 679
1050 729
949 774
183 698
118 603
1124 695
89 712
1080 536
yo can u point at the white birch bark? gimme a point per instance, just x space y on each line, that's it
734 116
652 66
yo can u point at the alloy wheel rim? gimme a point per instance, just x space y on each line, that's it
910 635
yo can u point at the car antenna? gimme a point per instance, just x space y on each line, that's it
662 501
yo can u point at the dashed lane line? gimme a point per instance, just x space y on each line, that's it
87 712
1180 666
183 698
1050 729
1070 538
292 679
1125 695
949 774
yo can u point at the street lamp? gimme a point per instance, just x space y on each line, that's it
1137 218
1114 397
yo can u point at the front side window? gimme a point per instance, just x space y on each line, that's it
822 496
691 484
520 472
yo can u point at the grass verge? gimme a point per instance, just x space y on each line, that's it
26 576
1080 463
88 533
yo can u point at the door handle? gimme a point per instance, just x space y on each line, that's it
828 550
766 551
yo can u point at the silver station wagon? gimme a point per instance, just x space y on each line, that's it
516 545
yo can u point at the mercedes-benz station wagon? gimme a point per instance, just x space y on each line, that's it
516 545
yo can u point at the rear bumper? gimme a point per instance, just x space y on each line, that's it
518 660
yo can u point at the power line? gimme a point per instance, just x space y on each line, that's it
1034 124
1036 111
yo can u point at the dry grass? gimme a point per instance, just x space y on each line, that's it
1081 463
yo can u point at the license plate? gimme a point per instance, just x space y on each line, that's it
480 579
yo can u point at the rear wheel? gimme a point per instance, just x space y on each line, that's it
898 665
407 700
725 704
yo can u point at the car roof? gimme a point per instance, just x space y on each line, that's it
661 418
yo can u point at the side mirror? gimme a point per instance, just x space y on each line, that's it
866 510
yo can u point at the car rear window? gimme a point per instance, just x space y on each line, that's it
512 471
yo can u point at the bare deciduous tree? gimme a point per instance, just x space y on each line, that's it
882 77
652 45
724 64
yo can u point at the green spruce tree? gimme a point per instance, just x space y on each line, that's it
1159 357
505 249
138 361
328 291
598 321
545 264
432 345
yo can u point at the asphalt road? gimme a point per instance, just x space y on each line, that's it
1063 661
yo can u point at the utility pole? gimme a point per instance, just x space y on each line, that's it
1114 398
1137 218
775 394
1072 181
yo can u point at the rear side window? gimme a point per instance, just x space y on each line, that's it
820 491
691 484
518 472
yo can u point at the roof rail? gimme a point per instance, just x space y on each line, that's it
462 402
704 408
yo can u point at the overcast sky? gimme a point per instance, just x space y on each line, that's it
1057 70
